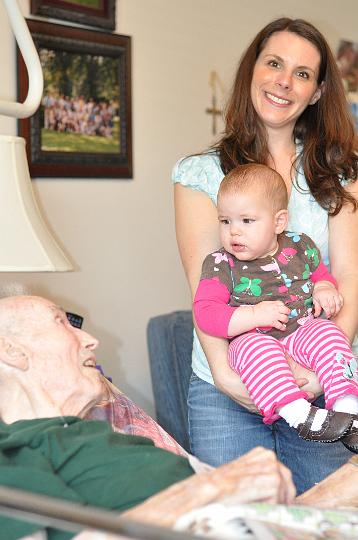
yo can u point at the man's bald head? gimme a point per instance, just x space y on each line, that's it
41 348
18 314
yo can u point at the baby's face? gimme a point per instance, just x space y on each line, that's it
247 225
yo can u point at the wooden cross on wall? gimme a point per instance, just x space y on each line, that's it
214 81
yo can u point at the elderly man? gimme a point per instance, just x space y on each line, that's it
48 384
49 381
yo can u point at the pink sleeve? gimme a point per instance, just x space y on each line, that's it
322 274
211 310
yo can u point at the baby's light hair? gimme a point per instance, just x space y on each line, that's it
261 179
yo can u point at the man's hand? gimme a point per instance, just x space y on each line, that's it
327 298
338 490
272 314
256 476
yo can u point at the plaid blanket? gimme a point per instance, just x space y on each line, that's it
126 417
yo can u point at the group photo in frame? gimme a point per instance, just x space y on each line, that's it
83 126
347 60
99 13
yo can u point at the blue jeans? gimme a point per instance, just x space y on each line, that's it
220 430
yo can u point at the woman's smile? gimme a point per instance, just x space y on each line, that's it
277 100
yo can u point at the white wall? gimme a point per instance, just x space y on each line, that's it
120 233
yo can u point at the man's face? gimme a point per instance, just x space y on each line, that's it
62 357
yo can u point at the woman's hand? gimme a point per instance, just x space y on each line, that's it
229 382
307 380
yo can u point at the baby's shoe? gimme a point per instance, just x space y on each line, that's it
335 426
350 440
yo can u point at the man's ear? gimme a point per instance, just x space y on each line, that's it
316 96
281 220
13 354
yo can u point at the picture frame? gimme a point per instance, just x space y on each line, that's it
83 127
347 60
100 13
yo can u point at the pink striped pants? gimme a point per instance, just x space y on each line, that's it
318 345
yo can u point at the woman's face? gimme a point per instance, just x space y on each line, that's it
284 80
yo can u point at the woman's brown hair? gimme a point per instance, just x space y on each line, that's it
325 128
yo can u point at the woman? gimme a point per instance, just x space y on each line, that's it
287 110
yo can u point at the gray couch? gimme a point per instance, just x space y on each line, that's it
170 342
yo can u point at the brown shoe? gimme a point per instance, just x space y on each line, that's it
350 440
335 426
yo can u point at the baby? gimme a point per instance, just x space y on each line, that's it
265 288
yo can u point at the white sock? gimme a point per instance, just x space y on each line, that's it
318 420
297 411
355 423
347 403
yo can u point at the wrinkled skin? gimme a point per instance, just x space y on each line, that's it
257 476
338 490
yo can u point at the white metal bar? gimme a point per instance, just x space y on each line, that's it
32 62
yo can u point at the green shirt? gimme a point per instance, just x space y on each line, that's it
81 461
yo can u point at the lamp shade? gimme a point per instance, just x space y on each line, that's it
26 245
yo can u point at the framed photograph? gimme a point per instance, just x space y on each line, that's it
347 60
100 13
83 126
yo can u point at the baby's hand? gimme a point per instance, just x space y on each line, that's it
325 296
271 313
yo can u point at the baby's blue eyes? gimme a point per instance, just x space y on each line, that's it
244 220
